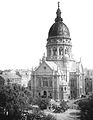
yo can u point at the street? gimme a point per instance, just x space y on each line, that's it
70 114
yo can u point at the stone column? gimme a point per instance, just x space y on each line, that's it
41 82
78 86
53 84
41 85
57 52
58 87
51 51
34 87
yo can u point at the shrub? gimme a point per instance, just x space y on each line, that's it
14 99
58 109
50 117
64 105
41 102
40 116
86 108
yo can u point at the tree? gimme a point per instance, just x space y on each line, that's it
41 102
14 99
86 108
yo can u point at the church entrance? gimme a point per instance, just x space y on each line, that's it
45 94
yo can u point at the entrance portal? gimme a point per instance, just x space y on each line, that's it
45 94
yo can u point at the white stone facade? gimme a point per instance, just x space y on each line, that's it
58 74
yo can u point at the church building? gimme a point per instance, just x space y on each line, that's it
58 75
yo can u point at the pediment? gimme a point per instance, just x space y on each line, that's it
44 69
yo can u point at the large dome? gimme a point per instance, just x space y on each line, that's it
59 29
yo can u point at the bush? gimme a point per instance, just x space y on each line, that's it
64 105
50 117
14 99
41 102
40 116
58 109
86 108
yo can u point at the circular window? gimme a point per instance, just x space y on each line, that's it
44 67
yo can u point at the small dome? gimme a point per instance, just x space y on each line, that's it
59 29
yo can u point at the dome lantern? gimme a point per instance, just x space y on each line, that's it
58 18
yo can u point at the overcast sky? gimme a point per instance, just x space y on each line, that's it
24 26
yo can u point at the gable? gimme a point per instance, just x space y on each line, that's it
44 69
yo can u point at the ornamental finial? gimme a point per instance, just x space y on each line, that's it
58 4
58 18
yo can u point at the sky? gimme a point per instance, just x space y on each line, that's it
24 26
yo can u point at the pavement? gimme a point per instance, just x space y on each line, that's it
70 114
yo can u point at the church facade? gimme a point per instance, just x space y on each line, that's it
58 75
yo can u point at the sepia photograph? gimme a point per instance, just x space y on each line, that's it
46 63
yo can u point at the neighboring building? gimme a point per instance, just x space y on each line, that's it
58 76
19 76
77 84
10 77
2 81
88 76
25 76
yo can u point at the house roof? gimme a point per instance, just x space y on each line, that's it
4 76
10 75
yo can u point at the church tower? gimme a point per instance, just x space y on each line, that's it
58 75
59 42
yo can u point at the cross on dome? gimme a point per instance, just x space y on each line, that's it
58 4
58 18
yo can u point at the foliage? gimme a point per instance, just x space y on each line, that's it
14 99
58 108
86 108
40 116
64 105
41 102
50 117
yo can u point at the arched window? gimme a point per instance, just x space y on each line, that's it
50 95
49 52
64 88
45 94
39 94
66 51
50 82
60 51
45 82
39 82
54 51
